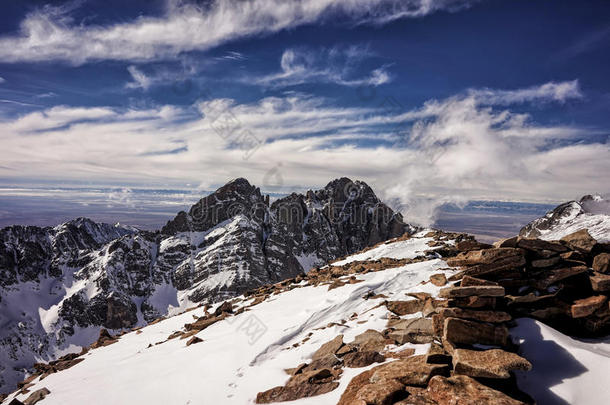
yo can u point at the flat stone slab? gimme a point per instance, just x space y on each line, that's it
494 363
478 291
461 331
600 282
587 306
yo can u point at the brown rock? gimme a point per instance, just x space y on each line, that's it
478 291
37 396
438 280
225 307
104 339
469 244
473 302
410 371
507 243
580 240
601 263
349 395
329 348
468 281
468 332
544 263
463 390
383 393
573 256
497 268
405 307
494 363
303 385
556 275
362 359
422 296
414 330
371 340
600 282
484 256
482 316
193 340
587 306
203 322
538 245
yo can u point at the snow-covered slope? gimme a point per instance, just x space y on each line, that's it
591 212
240 355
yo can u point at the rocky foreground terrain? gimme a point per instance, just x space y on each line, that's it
59 286
431 318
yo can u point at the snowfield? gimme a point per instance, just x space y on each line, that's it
248 353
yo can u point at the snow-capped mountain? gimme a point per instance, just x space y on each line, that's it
59 286
591 213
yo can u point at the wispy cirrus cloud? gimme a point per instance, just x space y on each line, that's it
335 65
469 146
51 34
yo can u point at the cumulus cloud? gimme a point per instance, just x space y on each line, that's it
51 34
469 146
335 65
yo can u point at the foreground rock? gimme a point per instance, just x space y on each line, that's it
493 363
463 390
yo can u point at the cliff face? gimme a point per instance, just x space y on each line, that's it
59 286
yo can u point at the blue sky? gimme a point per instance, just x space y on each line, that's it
435 100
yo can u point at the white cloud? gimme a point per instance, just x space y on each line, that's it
455 149
140 80
2 79
335 65
50 34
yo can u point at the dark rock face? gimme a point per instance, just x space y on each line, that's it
87 275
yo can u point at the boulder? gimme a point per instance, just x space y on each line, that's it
225 307
469 281
470 244
349 395
104 339
482 316
497 268
478 291
484 256
329 348
600 282
580 240
438 280
370 340
306 384
507 243
493 363
414 330
404 307
461 331
36 396
553 276
539 245
410 371
362 359
544 263
601 263
586 306
385 392
193 340
463 390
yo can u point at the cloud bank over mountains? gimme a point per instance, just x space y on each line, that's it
469 146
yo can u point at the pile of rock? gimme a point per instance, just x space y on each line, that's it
564 283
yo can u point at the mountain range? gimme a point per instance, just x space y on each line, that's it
60 285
